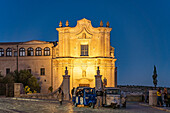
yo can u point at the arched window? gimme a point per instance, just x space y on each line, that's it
21 52
47 51
30 52
8 52
1 52
38 51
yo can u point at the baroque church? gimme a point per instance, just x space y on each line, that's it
81 49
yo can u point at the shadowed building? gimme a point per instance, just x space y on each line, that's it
81 49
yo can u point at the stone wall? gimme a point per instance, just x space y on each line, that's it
10 90
134 98
2 89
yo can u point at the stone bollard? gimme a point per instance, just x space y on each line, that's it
152 97
18 87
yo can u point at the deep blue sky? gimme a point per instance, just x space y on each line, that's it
140 35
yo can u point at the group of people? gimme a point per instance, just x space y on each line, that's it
162 97
165 98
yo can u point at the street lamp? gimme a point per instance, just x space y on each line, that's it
16 55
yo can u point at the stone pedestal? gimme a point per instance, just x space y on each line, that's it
66 87
152 97
98 80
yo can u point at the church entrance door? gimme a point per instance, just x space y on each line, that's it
84 85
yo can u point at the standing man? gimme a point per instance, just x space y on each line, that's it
159 97
60 95
146 95
99 94
72 91
73 97
165 92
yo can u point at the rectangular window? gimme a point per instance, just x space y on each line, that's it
84 50
15 53
42 70
7 71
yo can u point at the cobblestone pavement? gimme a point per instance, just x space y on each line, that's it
9 105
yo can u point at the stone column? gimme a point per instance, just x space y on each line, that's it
115 85
98 80
66 85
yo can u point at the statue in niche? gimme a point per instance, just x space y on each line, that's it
83 73
84 35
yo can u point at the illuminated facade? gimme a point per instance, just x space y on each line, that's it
81 49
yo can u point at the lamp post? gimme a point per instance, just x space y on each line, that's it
16 54
17 60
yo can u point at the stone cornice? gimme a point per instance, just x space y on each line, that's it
84 57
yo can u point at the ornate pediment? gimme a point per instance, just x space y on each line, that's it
84 21
84 34
83 29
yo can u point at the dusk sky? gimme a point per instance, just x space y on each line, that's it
140 34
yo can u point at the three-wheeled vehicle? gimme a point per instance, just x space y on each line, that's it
112 97
84 96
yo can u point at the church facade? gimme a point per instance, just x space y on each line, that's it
81 49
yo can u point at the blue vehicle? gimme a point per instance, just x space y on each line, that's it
84 96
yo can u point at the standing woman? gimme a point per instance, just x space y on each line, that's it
60 95
159 97
165 97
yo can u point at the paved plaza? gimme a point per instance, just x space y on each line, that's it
11 105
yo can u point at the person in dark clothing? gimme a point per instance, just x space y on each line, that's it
72 91
60 95
165 97
159 97
99 94
146 96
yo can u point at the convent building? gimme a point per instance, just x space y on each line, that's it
81 49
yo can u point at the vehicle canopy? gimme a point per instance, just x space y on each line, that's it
112 90
81 91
